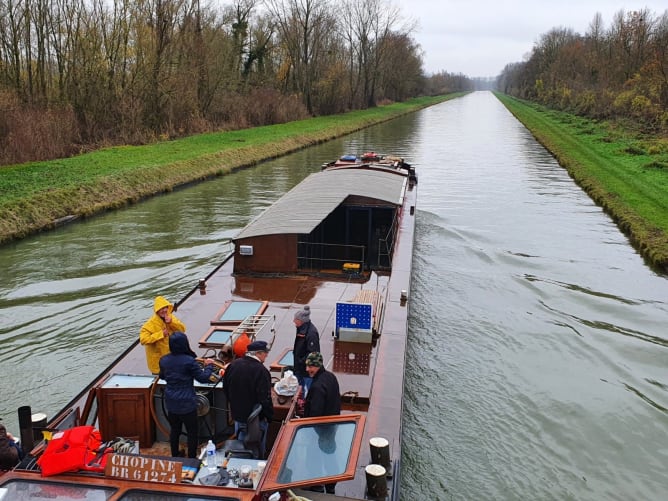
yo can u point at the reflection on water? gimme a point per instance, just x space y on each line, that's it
537 359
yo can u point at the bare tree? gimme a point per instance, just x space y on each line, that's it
304 26
241 12
260 46
366 25
13 34
401 68
661 59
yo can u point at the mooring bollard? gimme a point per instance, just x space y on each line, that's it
38 425
376 483
25 428
380 453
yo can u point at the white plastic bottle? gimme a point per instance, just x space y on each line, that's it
210 460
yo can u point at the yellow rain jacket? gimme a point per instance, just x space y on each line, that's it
153 337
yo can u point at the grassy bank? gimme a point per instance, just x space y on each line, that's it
624 173
39 196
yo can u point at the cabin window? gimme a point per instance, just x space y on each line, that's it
235 312
320 450
286 360
25 490
216 337
137 495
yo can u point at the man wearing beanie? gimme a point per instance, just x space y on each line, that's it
323 399
307 340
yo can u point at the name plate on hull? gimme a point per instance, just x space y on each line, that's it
143 468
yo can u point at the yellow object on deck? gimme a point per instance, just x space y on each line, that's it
351 267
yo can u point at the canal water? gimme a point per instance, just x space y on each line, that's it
537 366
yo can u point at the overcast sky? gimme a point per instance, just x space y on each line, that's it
479 37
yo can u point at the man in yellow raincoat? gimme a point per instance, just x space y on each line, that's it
154 334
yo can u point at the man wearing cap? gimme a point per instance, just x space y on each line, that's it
307 340
323 399
247 382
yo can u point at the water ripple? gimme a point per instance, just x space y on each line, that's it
645 398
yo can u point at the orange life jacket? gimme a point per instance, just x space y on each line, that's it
73 449
241 345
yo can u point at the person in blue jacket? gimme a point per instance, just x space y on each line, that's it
178 369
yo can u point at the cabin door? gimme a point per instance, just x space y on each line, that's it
358 225
372 228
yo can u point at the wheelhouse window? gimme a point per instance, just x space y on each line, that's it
26 490
318 451
312 451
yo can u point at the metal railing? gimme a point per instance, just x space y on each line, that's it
321 256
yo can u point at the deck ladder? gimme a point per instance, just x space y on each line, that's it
252 325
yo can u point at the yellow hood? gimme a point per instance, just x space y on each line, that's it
161 302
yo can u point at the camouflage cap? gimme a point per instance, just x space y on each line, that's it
314 359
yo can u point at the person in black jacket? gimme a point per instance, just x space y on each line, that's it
178 368
322 399
307 340
247 382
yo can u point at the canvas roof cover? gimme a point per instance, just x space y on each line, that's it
311 201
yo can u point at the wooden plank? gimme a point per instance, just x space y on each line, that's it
372 297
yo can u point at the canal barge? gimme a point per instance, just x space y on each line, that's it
340 242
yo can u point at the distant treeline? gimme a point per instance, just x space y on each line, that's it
79 74
615 73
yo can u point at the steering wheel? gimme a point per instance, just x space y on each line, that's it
214 378
202 402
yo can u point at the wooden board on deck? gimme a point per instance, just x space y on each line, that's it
373 298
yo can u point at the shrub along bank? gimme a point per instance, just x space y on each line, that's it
623 172
42 195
